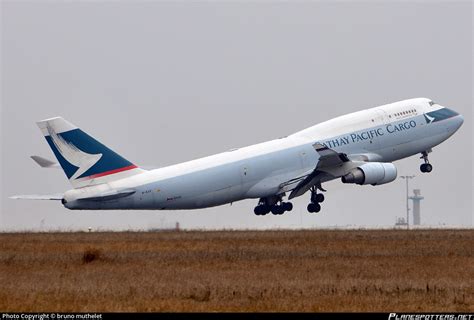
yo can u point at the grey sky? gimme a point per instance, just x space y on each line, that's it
162 83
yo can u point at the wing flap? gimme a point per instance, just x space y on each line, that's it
328 158
311 180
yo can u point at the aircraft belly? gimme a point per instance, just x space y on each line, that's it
201 189
251 178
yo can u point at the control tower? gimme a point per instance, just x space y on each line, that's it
416 206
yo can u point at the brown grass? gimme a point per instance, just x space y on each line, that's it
424 270
90 254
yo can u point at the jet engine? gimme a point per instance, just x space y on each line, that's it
374 173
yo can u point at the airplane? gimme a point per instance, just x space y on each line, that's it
357 148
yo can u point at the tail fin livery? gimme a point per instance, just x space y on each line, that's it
85 161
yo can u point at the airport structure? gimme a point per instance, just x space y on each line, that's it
408 208
400 222
416 206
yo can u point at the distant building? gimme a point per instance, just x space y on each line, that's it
416 206
400 222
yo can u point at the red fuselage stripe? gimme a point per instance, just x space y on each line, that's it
106 173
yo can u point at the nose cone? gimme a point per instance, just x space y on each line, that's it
459 121
455 120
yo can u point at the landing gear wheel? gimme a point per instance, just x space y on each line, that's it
319 197
317 207
288 206
273 204
314 207
257 210
277 210
261 210
316 199
426 167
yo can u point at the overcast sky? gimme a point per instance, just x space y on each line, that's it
163 82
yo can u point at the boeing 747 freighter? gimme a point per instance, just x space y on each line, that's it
357 148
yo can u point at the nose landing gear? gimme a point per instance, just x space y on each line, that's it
425 167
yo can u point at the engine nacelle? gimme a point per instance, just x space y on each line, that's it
374 173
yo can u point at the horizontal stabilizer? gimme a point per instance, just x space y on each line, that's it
45 163
57 196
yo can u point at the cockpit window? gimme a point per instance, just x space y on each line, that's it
432 102
445 113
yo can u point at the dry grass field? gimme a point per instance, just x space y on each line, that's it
424 270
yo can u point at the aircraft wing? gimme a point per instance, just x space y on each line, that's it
328 159
57 196
311 180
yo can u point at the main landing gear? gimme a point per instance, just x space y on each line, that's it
425 167
277 206
316 199
274 204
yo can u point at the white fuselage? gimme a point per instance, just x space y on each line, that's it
382 134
